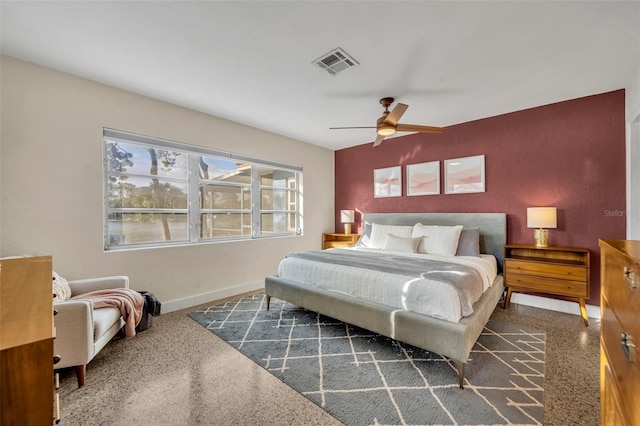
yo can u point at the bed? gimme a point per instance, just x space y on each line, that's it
452 337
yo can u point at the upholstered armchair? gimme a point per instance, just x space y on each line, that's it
82 332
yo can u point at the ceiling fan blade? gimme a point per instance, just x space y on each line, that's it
378 140
395 114
340 128
420 129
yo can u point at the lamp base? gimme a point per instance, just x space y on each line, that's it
347 228
541 237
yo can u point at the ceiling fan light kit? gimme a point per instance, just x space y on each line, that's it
388 124
386 130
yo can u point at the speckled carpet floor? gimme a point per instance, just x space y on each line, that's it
179 373
363 378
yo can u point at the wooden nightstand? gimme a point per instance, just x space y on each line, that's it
560 271
339 240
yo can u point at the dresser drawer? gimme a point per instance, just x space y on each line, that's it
610 411
575 273
626 373
621 297
517 279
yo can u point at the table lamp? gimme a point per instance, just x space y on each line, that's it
347 217
541 218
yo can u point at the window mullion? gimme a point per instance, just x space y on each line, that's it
255 203
298 205
194 199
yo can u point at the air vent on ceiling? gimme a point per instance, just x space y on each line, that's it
335 61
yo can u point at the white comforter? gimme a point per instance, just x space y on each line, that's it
420 295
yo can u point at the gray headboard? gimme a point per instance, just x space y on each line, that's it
493 226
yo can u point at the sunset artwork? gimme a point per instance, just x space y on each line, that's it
387 182
423 178
464 175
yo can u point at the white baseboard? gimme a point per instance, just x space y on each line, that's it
554 304
211 296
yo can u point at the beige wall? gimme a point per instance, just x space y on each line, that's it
51 184
633 96
633 156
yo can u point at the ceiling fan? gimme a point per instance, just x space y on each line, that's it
388 124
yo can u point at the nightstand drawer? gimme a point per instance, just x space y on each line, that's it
569 272
337 244
546 285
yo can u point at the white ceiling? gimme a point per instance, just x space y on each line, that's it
251 62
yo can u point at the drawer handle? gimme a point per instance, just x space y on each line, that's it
56 413
627 345
630 277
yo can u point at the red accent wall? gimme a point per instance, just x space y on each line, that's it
570 155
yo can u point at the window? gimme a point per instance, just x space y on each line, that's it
277 200
159 193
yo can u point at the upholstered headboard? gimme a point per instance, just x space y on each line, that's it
493 226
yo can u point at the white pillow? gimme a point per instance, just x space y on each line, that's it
405 245
442 240
379 233
61 289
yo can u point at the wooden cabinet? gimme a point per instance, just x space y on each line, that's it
559 271
619 332
26 341
339 240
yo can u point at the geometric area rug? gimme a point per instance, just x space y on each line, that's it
362 378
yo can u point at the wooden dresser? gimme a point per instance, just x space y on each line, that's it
26 342
620 332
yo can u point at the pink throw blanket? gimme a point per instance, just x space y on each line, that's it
128 301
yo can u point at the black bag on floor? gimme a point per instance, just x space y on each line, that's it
150 308
145 321
152 303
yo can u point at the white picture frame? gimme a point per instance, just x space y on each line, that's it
387 182
464 175
423 178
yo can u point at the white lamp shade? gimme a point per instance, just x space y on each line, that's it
347 216
542 217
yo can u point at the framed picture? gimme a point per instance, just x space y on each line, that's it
387 182
464 175
423 178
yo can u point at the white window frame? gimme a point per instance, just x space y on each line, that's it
194 183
